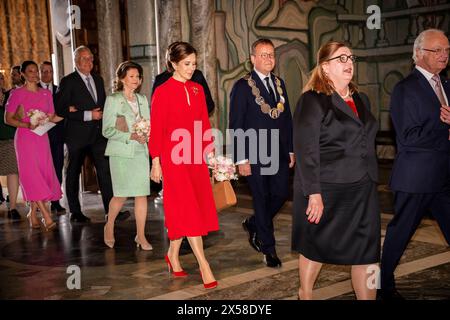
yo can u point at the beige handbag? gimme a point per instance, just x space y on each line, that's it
121 124
224 195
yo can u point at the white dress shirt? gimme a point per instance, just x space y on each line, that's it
428 75
88 114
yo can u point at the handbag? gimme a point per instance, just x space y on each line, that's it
224 196
121 124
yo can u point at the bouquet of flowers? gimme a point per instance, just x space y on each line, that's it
222 167
37 117
141 127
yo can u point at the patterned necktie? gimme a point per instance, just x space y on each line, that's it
437 88
269 87
91 91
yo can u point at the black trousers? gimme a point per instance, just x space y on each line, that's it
77 154
269 192
409 211
57 149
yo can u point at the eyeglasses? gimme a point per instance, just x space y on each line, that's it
343 58
87 59
438 51
266 55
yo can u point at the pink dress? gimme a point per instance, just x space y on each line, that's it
34 159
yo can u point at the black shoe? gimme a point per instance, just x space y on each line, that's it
123 215
272 260
58 208
389 295
254 242
14 214
79 217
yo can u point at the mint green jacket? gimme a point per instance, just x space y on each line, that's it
119 143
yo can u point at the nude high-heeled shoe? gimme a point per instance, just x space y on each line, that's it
33 225
143 247
49 227
109 243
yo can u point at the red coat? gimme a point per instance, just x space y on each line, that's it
176 135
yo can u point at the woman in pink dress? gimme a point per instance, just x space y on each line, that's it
36 172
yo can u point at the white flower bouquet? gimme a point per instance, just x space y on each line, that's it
141 127
37 117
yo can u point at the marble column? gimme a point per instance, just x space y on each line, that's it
203 39
169 24
109 40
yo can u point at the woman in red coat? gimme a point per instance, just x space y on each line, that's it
178 144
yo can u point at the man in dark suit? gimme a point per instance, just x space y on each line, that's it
259 105
80 99
56 134
420 176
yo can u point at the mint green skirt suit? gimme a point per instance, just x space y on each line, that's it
128 160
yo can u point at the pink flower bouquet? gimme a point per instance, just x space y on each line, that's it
222 167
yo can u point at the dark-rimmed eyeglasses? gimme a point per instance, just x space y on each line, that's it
266 55
438 51
343 58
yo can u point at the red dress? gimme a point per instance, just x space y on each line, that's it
176 135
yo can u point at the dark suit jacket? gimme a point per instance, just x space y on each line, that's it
72 91
56 134
331 143
197 77
423 149
246 114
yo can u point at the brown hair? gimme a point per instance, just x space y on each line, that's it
261 41
178 51
318 80
121 73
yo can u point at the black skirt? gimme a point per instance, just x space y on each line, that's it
349 231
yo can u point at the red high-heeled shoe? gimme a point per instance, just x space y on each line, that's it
210 285
181 273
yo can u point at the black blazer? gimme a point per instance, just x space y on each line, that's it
246 114
423 148
56 134
197 77
331 143
72 91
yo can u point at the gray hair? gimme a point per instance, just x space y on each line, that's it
418 43
76 53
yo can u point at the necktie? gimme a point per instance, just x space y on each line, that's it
269 88
437 88
91 90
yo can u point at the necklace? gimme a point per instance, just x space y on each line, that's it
347 95
274 113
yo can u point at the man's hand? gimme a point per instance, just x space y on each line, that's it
97 114
445 114
245 169
73 109
292 161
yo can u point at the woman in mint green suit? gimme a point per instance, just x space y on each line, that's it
127 150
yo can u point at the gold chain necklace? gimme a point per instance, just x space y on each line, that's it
274 113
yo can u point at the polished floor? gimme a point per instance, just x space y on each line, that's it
39 265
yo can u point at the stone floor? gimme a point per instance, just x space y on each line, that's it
37 265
